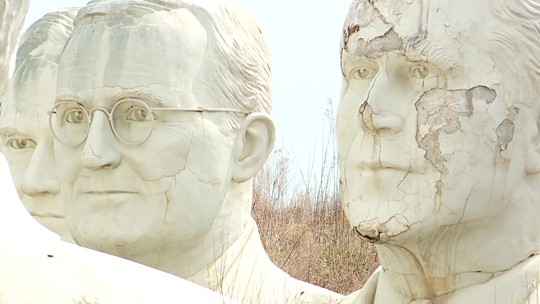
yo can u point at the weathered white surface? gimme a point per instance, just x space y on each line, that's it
12 14
438 136
37 267
24 123
180 199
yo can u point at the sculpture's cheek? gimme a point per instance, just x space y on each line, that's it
439 111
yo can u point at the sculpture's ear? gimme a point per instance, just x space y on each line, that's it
254 143
532 163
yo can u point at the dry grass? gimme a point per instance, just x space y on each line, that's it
308 234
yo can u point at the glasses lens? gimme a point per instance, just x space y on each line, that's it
69 123
132 121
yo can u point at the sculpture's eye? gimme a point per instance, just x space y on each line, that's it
363 73
19 144
75 116
420 71
136 113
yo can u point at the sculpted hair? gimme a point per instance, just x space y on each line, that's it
40 47
236 63
519 38
360 14
42 44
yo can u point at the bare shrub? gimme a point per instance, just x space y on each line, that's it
304 229
316 245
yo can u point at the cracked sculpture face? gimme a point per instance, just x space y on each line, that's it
28 146
437 118
24 124
159 176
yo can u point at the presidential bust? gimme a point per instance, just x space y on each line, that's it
37 267
161 121
27 140
438 130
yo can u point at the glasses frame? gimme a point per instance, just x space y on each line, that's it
90 116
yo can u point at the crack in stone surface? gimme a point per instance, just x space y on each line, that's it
380 233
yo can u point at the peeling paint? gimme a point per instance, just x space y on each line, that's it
354 23
380 45
380 233
366 117
351 29
438 186
505 134
440 110
483 93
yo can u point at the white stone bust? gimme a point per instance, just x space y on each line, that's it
438 130
166 178
24 122
37 267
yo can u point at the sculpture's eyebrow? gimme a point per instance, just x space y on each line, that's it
70 97
443 57
11 132
372 49
433 53
144 96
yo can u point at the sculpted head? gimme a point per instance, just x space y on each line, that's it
187 85
438 120
24 124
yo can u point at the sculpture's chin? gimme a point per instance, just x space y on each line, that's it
381 233
372 236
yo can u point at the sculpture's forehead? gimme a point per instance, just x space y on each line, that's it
373 27
369 21
31 96
165 49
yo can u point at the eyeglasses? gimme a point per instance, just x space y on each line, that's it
131 120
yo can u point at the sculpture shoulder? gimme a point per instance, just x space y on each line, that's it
531 279
37 267
308 293
365 295
514 286
69 274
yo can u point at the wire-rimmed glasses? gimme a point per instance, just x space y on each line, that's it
131 120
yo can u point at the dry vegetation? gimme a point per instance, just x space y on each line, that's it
305 231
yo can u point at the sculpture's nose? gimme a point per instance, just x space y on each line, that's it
380 111
388 122
101 148
40 178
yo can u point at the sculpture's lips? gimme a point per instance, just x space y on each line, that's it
382 165
108 192
47 215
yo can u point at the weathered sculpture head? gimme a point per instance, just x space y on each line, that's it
159 116
438 134
39 268
24 123
161 120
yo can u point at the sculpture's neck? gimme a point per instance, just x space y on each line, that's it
518 284
225 268
232 261
228 229
455 258
245 273
406 277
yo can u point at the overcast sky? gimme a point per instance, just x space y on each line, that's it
303 39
